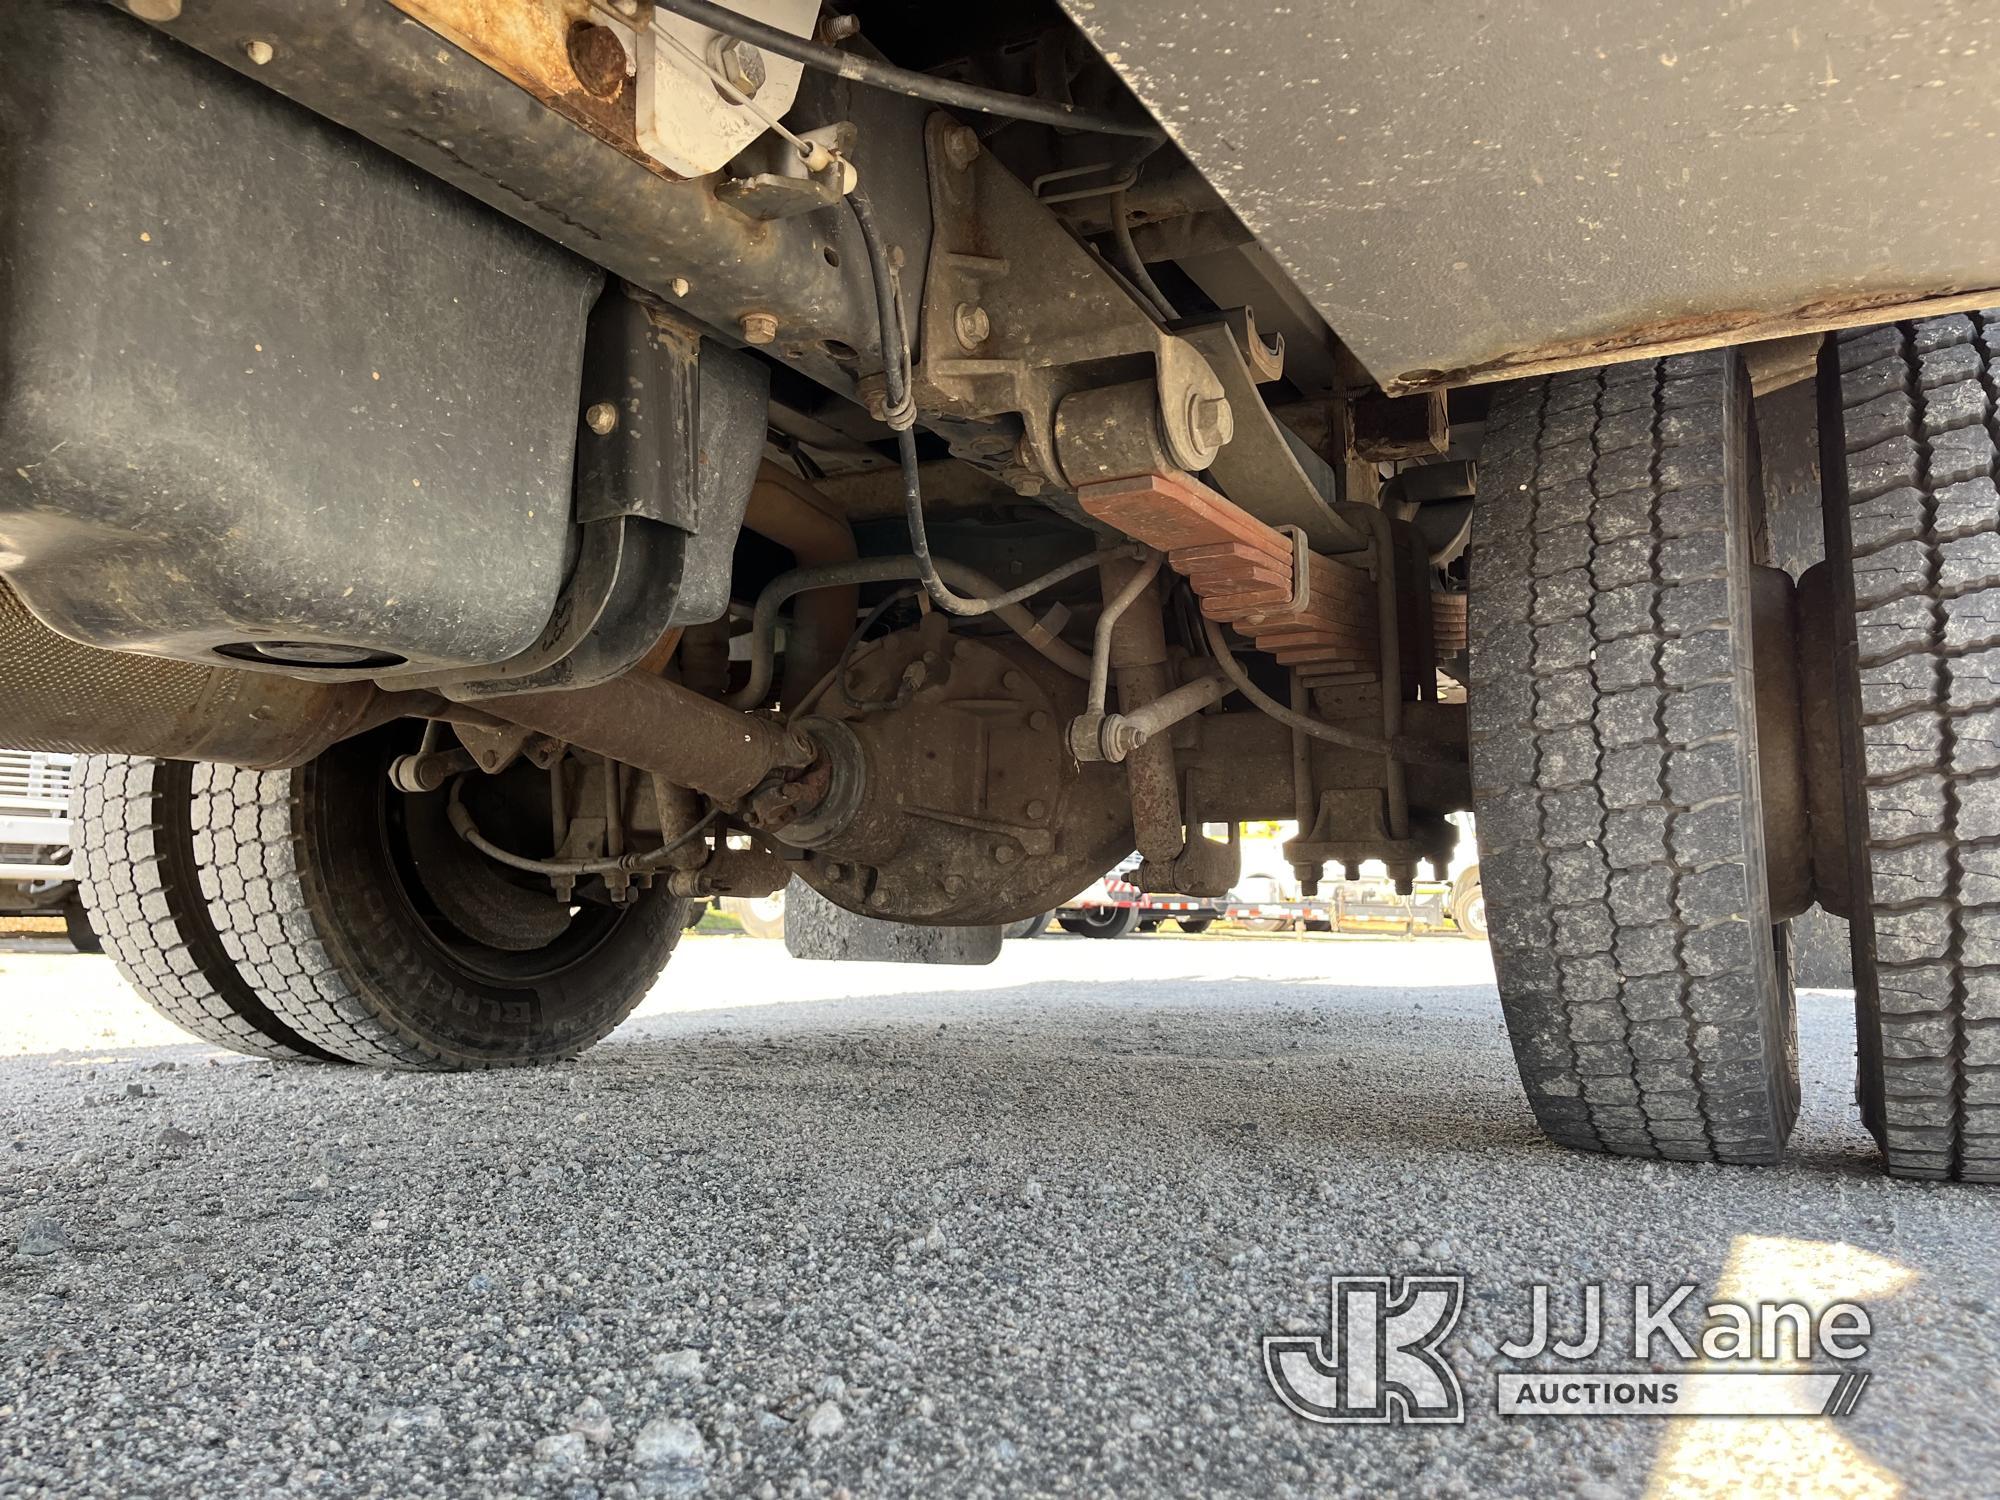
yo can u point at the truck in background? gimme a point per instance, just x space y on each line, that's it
37 868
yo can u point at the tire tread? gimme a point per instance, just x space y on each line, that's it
140 890
1612 775
1920 405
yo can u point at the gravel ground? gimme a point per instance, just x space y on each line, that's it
811 1229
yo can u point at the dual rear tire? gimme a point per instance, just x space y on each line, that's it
1655 793
1615 764
1908 428
318 913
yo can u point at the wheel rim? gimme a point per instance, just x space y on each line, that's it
393 818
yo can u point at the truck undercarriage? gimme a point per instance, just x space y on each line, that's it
481 476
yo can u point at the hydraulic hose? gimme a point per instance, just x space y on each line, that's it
764 620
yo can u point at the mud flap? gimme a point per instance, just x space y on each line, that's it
816 928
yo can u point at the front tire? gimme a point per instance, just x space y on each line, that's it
1259 890
1468 905
759 916
76 927
329 888
1615 763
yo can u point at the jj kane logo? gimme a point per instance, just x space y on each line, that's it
1379 1360
1381 1357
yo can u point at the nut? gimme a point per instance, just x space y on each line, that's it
740 63
973 325
601 418
873 393
258 52
759 327
597 58
961 146
1210 420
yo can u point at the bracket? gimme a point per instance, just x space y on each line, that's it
1013 308
1205 866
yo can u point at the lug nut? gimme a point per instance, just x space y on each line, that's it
601 418
759 327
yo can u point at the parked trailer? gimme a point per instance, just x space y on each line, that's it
1114 906
1351 906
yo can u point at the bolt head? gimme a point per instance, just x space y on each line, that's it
1005 854
601 418
1037 809
678 286
759 328
155 10
1210 420
973 324
961 146
259 52
739 62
